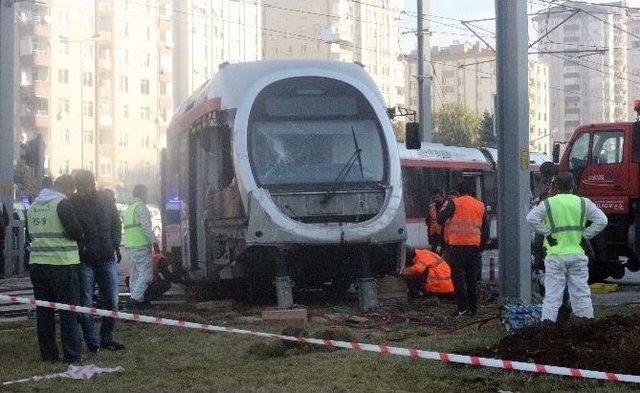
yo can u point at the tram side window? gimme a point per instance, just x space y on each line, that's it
417 186
220 168
608 147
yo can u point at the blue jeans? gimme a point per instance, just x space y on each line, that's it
106 276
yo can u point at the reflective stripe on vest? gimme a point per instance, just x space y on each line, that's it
49 245
566 216
134 236
465 227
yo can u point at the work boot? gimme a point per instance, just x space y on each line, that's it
113 346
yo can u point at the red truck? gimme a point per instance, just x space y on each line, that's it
605 161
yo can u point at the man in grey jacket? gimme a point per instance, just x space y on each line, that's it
138 237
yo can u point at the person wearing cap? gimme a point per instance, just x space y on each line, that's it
562 220
428 270
55 268
138 238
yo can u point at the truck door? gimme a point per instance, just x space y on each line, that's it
604 178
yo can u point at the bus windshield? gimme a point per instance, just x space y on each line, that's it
315 131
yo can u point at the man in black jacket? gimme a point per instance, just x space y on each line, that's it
100 220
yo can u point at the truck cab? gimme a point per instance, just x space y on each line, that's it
605 162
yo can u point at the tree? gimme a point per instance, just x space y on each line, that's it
487 133
456 125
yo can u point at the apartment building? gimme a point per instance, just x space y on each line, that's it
466 73
366 31
633 60
589 71
208 33
95 79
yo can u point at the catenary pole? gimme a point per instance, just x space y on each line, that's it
512 121
424 79
7 133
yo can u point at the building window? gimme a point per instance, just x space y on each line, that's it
146 60
63 47
87 79
63 17
123 171
144 86
145 113
125 111
144 142
42 106
104 23
64 136
123 29
123 140
88 166
123 84
87 108
64 168
87 51
105 169
304 49
163 115
63 108
63 76
88 136
123 56
163 87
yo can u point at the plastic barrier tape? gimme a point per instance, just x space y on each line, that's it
382 349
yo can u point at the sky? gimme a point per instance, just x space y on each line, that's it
462 10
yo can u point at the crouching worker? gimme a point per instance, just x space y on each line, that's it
161 276
427 272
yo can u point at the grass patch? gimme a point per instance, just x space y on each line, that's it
166 359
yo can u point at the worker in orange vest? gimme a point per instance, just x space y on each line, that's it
466 230
434 230
423 263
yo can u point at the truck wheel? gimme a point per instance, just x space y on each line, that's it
616 270
633 264
597 273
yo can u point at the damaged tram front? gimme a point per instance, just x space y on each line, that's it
286 171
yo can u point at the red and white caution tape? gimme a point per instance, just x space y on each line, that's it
382 349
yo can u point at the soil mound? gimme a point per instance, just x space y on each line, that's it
609 344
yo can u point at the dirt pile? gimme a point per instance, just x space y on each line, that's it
609 344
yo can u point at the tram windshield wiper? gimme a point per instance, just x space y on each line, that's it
342 175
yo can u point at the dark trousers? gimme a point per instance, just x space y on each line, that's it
60 284
464 261
156 289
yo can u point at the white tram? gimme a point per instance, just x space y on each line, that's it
286 169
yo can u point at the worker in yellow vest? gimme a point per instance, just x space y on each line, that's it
138 238
55 267
562 219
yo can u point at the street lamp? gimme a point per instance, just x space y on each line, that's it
93 39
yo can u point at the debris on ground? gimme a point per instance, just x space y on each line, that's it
215 305
264 350
601 287
296 316
609 344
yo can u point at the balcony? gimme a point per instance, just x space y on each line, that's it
42 121
41 88
41 58
27 91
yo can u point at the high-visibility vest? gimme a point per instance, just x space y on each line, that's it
434 227
134 236
566 215
439 279
465 226
49 245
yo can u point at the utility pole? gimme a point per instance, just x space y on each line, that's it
7 84
424 79
512 121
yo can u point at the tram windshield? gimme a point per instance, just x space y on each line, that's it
314 131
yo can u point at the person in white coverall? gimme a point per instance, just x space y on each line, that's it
138 238
562 219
